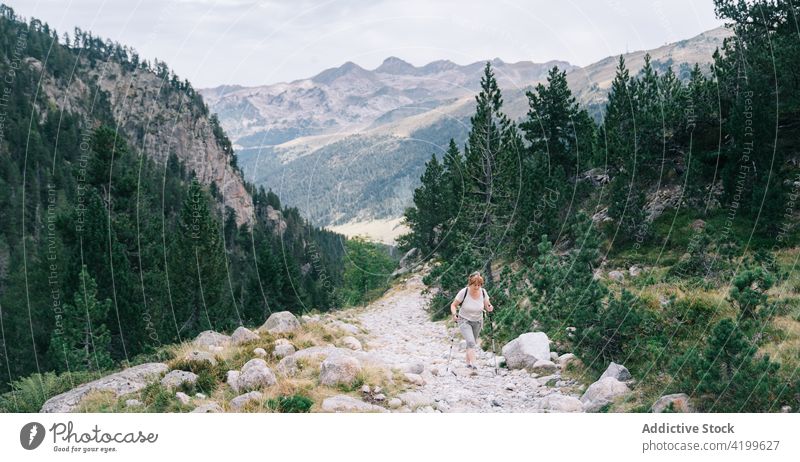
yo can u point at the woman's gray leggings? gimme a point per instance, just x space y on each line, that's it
470 331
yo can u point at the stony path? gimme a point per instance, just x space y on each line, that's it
401 333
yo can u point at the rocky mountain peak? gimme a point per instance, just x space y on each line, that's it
395 65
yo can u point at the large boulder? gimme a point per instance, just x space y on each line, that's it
339 369
602 392
288 366
240 401
525 350
557 402
121 383
243 335
544 366
254 375
232 379
279 323
345 403
678 402
208 408
210 338
618 371
177 379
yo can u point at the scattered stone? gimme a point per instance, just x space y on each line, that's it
698 225
208 408
634 271
618 371
240 401
557 402
127 381
183 397
210 338
678 402
283 348
526 349
339 369
602 392
243 335
345 403
176 379
133 403
395 403
349 328
365 389
200 396
260 352
351 343
616 276
280 323
379 397
553 356
197 357
255 374
786 409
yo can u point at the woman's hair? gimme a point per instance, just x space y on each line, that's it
475 278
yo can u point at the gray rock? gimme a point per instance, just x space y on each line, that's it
349 328
208 408
183 397
566 359
243 335
288 366
603 392
379 397
616 276
176 379
553 356
240 401
544 366
255 374
412 368
339 369
120 383
351 343
283 348
279 323
618 371
260 352
395 403
197 357
210 338
200 396
416 379
415 399
526 349
345 403
133 403
634 271
679 402
557 402
232 379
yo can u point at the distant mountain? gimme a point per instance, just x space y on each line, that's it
347 146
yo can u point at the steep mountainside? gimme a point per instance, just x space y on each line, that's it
348 145
157 122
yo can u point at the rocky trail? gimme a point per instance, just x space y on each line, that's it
400 332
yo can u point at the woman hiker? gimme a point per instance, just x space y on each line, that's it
473 300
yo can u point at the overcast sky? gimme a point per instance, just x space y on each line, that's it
254 42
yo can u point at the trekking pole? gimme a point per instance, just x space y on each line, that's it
491 334
450 355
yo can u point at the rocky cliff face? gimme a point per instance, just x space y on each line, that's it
156 122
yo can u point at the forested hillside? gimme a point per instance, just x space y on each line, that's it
664 237
125 223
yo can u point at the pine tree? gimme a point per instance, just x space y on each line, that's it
491 170
82 342
427 218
